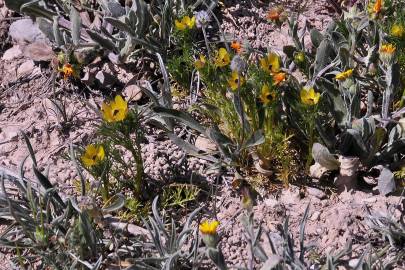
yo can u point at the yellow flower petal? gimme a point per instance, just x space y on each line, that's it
236 81
397 30
309 96
200 63
267 96
209 227
93 155
344 75
115 111
270 63
222 58
179 25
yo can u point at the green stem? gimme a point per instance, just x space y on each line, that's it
310 139
106 188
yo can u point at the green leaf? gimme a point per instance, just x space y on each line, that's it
257 138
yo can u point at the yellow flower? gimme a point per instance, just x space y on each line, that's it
267 96
115 110
270 63
299 57
309 96
344 75
222 58
200 63
209 227
93 155
397 30
236 81
67 71
387 53
278 78
185 23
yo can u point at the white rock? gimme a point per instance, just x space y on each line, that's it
26 31
26 68
12 53
133 92
205 144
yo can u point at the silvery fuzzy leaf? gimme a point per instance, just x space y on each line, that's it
316 37
115 203
76 25
271 262
386 182
322 156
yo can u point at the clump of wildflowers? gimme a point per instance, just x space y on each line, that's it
93 155
115 110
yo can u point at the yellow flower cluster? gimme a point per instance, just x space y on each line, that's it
209 227
185 23
397 30
344 75
309 96
115 110
93 155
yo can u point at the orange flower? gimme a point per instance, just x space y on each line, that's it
278 78
67 71
236 46
274 14
377 6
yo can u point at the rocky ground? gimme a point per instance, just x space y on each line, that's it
25 105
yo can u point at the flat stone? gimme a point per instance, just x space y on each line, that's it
12 53
133 92
25 31
205 144
26 68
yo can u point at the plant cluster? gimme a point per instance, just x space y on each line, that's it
346 115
